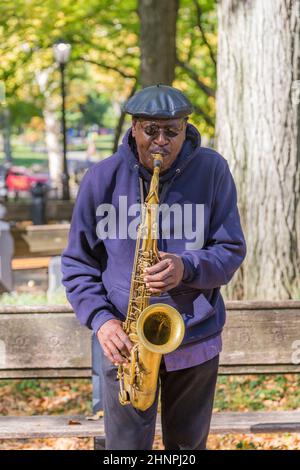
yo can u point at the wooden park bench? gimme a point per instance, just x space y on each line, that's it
56 210
35 245
39 240
48 342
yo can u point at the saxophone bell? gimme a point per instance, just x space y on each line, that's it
160 328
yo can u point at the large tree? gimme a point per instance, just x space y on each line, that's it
258 131
158 40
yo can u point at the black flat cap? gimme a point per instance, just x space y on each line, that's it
159 101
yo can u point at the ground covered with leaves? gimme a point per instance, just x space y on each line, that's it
243 393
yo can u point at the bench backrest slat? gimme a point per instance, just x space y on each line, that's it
48 341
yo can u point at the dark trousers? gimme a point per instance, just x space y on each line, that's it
186 406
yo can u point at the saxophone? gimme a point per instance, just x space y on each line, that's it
153 329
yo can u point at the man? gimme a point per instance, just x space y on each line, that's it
201 245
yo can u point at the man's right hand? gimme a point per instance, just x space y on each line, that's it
114 341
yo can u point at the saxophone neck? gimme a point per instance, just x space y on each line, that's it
149 224
152 197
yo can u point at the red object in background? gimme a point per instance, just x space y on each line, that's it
15 182
19 179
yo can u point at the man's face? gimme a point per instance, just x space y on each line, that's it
164 136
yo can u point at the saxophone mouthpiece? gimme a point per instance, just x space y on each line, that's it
157 159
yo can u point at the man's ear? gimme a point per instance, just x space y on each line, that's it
186 123
133 126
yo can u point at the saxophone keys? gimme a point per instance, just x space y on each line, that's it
124 397
133 337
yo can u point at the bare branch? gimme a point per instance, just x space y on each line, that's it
108 67
203 35
193 75
202 113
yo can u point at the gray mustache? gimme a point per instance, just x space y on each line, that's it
161 151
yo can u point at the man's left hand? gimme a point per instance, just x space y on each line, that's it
164 275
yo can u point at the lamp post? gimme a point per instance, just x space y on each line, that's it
61 52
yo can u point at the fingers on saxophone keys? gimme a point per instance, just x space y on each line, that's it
158 282
115 354
118 358
166 288
110 356
157 268
157 291
126 343
157 277
160 286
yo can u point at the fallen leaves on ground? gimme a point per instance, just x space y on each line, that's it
73 397
215 442
95 417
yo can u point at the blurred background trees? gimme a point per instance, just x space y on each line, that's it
118 47
111 45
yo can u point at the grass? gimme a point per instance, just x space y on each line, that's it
30 298
271 392
35 396
26 155
258 392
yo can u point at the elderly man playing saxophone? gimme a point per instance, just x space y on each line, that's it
200 245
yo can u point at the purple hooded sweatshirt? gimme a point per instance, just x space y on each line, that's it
97 270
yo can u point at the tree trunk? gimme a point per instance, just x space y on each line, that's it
258 131
52 131
6 132
158 40
121 120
